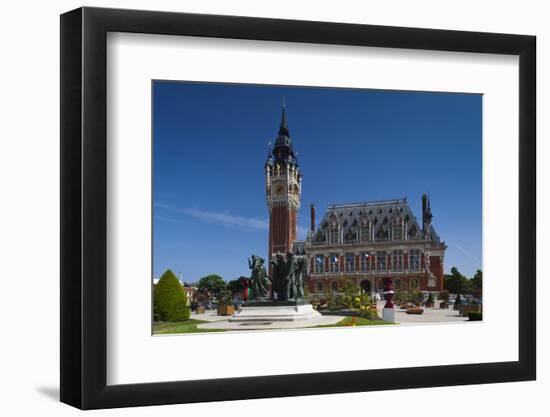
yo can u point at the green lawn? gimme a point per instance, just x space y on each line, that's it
188 326
359 321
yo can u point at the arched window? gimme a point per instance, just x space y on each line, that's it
397 284
365 286
414 284
380 284
319 286
334 286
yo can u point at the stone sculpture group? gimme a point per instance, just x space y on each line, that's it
287 281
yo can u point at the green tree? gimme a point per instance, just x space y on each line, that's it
211 285
454 283
236 286
477 280
170 300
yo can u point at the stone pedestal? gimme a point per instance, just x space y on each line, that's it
388 314
275 312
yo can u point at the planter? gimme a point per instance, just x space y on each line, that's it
472 308
200 310
415 310
226 310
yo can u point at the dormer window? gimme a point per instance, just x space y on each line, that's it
350 236
334 230
397 229
381 234
365 233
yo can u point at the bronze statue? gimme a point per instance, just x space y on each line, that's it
287 276
278 291
299 272
290 276
259 281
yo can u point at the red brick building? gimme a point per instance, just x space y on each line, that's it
363 243
357 243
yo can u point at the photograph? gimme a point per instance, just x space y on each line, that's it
301 207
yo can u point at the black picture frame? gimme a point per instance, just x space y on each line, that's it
84 207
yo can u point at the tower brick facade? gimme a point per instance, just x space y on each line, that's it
283 179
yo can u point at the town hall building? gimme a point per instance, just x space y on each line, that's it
355 243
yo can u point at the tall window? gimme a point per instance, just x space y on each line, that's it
397 260
414 284
334 234
319 286
350 262
397 230
320 264
334 286
381 234
334 265
364 233
365 262
349 237
381 261
397 284
414 259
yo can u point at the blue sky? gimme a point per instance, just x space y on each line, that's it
210 142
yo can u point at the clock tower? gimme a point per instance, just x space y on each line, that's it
283 181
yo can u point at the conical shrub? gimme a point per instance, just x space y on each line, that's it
170 299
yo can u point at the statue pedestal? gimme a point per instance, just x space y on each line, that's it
388 314
274 312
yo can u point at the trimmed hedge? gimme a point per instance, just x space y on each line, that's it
170 300
475 316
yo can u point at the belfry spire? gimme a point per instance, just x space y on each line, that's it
283 130
283 149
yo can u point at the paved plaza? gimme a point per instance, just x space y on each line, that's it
430 315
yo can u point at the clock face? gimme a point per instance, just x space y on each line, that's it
279 189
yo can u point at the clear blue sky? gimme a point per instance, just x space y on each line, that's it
210 145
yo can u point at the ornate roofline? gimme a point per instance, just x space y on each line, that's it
367 203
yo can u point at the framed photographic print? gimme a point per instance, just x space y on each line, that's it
258 208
